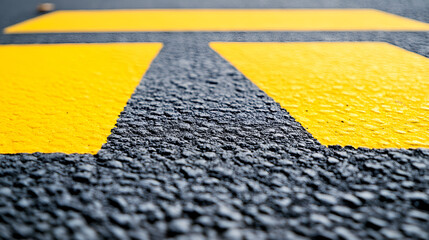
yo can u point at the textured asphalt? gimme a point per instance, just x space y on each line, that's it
199 152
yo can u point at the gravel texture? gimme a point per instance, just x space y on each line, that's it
199 152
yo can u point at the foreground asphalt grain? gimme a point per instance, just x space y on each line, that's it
199 152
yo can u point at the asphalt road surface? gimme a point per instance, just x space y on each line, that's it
200 152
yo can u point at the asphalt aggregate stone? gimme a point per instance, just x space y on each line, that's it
199 152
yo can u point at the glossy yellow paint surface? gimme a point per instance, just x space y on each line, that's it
217 20
66 97
364 94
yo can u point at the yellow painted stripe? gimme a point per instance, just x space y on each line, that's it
364 94
217 20
66 97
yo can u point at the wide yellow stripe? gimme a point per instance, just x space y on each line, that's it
66 97
217 20
364 94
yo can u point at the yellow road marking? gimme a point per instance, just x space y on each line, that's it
364 94
217 20
66 97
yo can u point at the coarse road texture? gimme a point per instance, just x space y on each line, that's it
201 152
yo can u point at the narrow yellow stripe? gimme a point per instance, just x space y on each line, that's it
364 94
217 20
66 97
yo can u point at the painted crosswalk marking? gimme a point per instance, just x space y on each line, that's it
217 20
364 94
66 97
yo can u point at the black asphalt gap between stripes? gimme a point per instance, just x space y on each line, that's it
199 152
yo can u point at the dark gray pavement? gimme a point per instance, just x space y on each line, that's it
199 152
